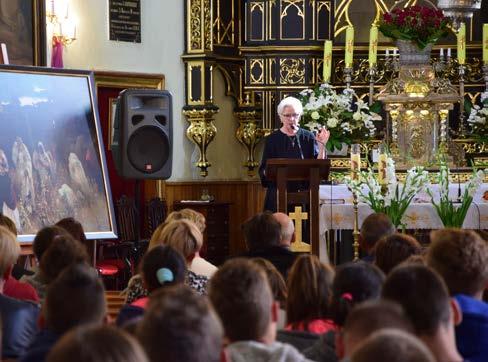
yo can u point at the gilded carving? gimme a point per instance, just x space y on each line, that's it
224 32
195 25
201 131
256 71
249 134
292 71
207 25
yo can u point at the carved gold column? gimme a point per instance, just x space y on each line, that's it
395 115
201 131
249 134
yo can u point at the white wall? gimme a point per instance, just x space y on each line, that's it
160 52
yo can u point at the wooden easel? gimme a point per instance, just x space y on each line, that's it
3 54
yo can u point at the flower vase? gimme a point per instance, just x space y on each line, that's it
411 55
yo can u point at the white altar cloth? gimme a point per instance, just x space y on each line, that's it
336 209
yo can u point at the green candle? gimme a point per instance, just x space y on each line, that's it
461 44
327 64
373 45
349 46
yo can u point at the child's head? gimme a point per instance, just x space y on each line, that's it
354 283
76 297
163 266
97 344
309 283
461 258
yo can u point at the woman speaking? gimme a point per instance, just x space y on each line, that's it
290 141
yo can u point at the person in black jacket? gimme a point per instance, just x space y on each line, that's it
290 141
263 234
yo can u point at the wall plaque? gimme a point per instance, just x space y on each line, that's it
125 20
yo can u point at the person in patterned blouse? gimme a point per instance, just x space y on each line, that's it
185 237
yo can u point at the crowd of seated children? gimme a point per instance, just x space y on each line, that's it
429 308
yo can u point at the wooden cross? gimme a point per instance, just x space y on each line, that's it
299 246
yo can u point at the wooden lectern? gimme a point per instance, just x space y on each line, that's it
282 170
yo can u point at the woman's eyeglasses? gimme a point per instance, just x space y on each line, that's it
291 115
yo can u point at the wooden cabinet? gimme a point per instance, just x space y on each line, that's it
216 236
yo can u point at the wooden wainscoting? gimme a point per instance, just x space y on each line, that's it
246 198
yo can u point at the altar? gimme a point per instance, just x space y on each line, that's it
336 209
337 213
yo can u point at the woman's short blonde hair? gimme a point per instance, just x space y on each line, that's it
195 216
187 214
9 249
184 236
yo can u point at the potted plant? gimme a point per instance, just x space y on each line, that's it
391 196
452 213
345 119
415 28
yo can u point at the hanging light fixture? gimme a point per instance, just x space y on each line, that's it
458 10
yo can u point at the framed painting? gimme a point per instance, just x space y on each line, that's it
52 159
23 30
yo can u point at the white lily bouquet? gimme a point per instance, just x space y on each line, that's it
385 193
451 213
345 119
478 118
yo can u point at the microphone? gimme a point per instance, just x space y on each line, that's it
294 127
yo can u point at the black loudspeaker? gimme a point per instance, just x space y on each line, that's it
142 145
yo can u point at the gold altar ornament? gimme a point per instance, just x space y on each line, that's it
249 134
201 132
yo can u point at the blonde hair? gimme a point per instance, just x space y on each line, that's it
184 214
9 249
184 236
156 236
195 216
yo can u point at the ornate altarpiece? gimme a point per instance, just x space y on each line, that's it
268 49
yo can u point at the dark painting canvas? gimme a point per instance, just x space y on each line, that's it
51 160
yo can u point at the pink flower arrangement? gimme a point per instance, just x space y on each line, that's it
419 24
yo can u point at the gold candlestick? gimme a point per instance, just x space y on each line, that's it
355 168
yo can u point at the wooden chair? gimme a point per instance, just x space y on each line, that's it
156 211
116 259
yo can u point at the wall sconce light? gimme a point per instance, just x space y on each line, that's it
63 25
